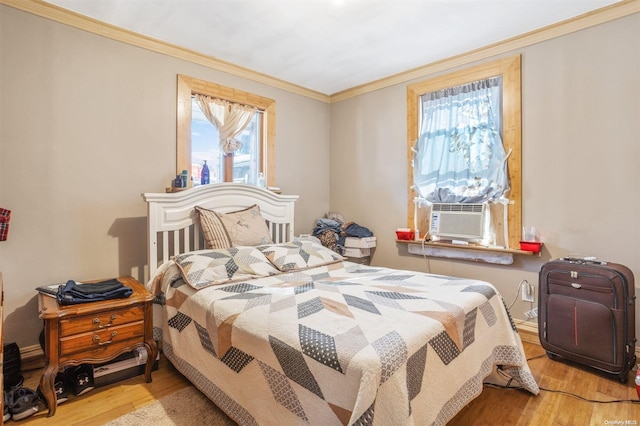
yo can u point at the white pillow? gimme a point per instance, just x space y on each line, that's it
204 268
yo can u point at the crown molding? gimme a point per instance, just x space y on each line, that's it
512 45
81 22
75 20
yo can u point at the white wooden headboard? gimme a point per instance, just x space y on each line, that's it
173 226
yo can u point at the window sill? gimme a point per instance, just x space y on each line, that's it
473 253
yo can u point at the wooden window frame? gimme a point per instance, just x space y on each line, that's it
510 69
187 87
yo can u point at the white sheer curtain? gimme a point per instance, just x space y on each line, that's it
459 156
229 118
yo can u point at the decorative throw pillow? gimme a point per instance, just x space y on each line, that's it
299 255
204 268
240 228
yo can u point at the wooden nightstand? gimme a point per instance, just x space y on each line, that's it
93 333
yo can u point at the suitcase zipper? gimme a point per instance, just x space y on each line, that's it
574 275
575 324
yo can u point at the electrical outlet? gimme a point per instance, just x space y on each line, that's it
528 293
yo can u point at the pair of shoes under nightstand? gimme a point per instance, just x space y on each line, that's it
81 379
77 379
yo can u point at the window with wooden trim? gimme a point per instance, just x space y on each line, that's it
198 139
506 218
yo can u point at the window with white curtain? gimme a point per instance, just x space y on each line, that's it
233 130
459 156
464 146
206 149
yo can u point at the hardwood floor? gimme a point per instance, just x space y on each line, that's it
519 408
492 407
106 403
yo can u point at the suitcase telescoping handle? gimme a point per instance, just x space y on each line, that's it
584 260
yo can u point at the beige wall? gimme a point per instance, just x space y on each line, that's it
87 125
581 156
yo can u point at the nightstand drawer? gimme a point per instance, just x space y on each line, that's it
102 343
100 320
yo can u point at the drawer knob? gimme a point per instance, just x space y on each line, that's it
109 324
96 339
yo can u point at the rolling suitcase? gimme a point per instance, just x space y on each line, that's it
586 314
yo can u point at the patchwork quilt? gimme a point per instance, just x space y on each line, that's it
330 342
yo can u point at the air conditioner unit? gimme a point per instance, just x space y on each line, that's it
457 221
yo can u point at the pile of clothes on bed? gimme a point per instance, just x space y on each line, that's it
332 230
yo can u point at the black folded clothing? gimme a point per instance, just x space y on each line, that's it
71 293
99 287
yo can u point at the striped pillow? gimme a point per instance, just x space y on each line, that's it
240 228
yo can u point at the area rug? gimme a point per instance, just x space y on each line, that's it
186 407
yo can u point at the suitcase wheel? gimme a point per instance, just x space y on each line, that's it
552 356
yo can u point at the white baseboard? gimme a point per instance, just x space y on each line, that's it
528 331
33 351
31 357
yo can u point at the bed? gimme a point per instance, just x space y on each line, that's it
285 331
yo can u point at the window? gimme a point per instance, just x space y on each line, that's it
205 149
459 156
505 75
195 135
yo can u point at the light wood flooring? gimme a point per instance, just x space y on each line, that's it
107 403
492 407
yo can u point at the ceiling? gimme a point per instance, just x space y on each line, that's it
331 45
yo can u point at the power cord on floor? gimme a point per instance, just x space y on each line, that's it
597 401
536 357
633 401
510 379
